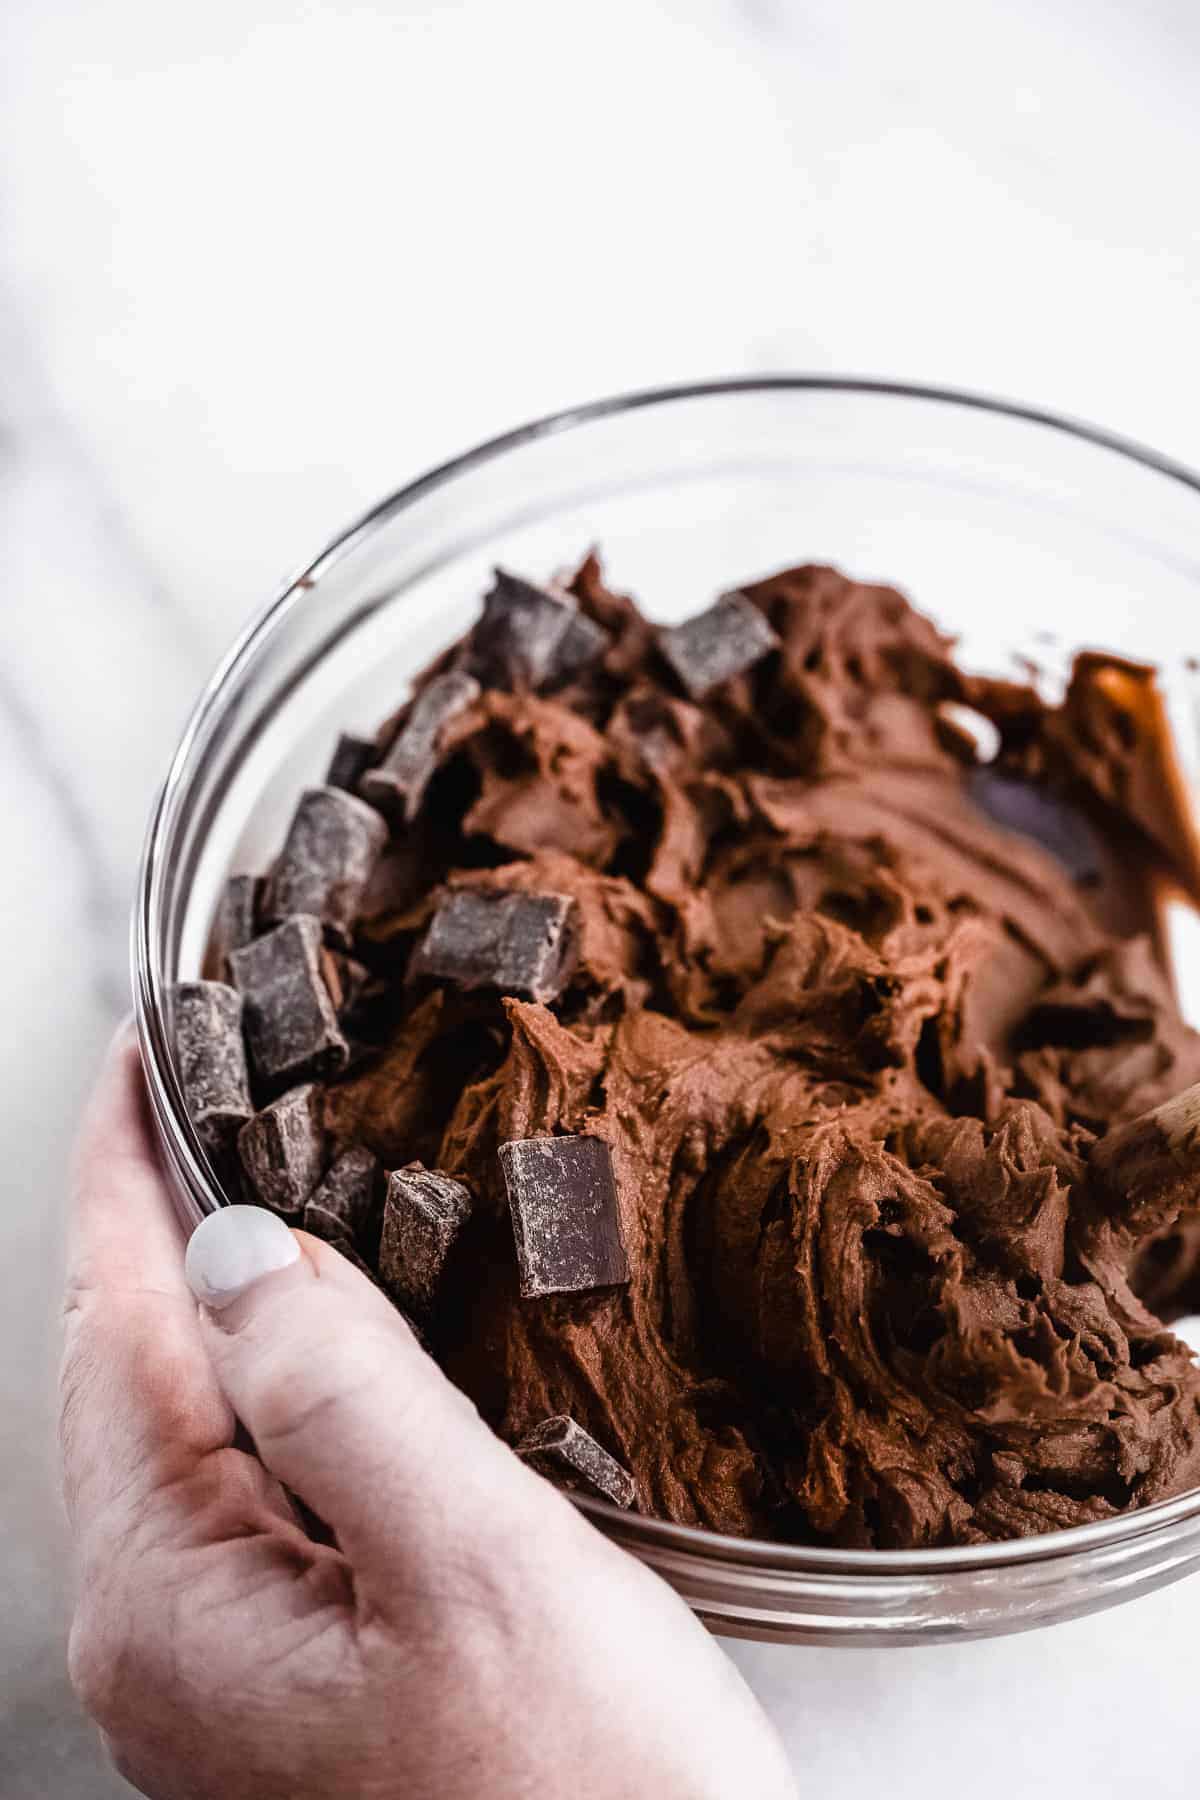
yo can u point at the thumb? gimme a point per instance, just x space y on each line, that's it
346 1409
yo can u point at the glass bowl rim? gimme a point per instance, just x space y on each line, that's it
166 1099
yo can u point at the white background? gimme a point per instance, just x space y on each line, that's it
261 262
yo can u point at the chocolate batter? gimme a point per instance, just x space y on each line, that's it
849 1007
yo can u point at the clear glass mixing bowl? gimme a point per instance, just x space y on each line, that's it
1024 534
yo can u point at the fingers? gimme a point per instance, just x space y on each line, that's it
139 1402
347 1410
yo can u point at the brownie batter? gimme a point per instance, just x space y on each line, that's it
849 1007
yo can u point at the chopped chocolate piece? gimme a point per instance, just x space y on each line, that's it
331 849
291 1026
318 1223
724 641
563 1197
350 761
236 923
1145 1172
1043 816
348 1194
397 786
283 1150
519 944
580 644
346 978
363 1006
212 1062
422 1216
531 638
569 1456
332 1230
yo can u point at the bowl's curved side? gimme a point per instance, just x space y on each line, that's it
948 1604
755 1590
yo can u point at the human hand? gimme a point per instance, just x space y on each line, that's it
471 1634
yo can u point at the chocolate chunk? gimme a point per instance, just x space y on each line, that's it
398 785
580 644
212 1062
291 1027
351 759
348 981
423 1215
570 1457
236 922
717 644
1048 819
563 1197
331 1224
331 850
282 1151
1144 1173
529 637
348 1195
520 944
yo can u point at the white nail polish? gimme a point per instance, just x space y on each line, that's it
983 732
232 1249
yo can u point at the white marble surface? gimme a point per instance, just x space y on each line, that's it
262 260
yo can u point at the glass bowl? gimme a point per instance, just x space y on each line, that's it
1025 535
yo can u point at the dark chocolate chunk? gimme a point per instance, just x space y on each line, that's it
520 944
212 1062
563 1197
529 637
319 1224
361 1000
570 1457
717 644
423 1215
348 981
237 917
323 869
580 644
283 1151
347 1197
397 786
291 1026
1046 817
351 759
331 1225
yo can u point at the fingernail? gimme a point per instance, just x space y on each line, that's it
232 1249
